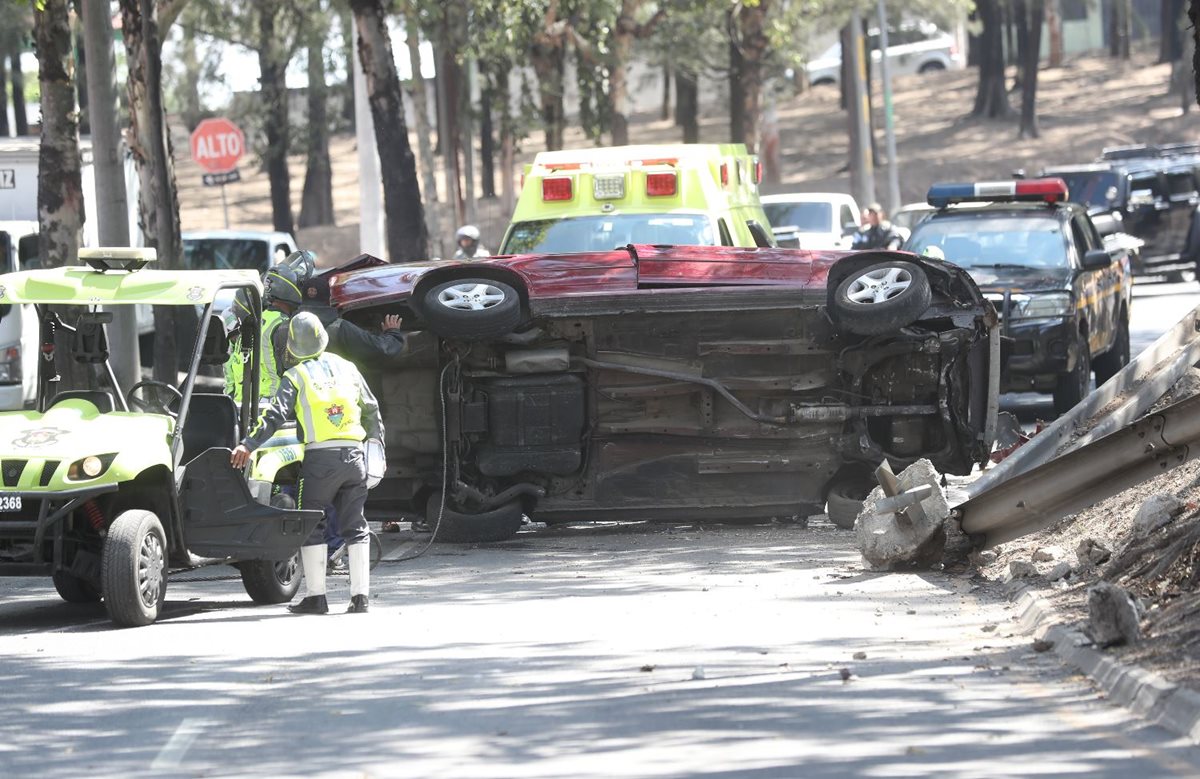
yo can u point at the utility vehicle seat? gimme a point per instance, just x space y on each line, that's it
102 400
212 421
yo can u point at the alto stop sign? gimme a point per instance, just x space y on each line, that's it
217 145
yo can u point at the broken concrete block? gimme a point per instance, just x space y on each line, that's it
1092 553
1157 511
1059 571
915 538
982 558
1048 554
1112 615
1020 569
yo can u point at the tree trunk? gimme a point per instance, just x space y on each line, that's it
449 74
272 64
3 95
60 185
1032 17
158 201
20 116
753 46
1193 15
1120 29
548 59
316 202
346 22
1054 29
737 102
406 236
507 144
666 93
487 137
1170 42
420 101
190 60
623 35
85 123
687 104
991 99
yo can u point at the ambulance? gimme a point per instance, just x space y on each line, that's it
584 200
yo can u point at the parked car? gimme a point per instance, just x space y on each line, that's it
235 249
586 200
1152 198
908 215
812 220
913 47
667 383
1064 297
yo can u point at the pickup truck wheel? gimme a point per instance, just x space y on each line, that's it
268 582
499 524
72 589
1116 358
472 309
1074 386
133 569
882 298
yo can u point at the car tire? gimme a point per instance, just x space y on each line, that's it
72 589
1073 387
471 309
499 524
1111 362
882 298
133 569
268 582
845 500
931 67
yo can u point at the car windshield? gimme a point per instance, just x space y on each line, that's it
906 218
993 241
225 254
806 217
1091 188
605 233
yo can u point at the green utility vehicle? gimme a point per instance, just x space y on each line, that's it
108 489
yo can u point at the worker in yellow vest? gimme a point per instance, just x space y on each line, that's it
281 298
337 413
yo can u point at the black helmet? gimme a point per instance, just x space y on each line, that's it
281 284
304 263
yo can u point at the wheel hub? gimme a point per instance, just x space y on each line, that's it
151 563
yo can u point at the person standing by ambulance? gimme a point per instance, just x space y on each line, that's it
337 413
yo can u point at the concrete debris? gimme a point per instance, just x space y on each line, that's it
860 655
845 674
1059 571
1042 645
916 537
1020 569
982 558
1157 511
1092 553
698 673
1048 554
1112 615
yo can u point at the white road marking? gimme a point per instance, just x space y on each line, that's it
171 755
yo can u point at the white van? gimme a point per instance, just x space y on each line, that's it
18 323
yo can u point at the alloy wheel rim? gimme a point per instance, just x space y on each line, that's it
150 569
471 297
879 285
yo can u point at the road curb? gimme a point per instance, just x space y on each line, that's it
1147 694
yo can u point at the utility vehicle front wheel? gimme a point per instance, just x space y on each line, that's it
133 569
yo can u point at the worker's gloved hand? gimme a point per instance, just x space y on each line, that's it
392 322
240 456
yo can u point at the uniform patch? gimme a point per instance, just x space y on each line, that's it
335 413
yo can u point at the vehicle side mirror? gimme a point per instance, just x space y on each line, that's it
762 239
1097 259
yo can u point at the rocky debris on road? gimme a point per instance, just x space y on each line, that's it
1020 569
1112 615
1060 571
1048 554
1091 553
1157 511
913 537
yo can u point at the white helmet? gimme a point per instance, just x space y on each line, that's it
470 232
934 252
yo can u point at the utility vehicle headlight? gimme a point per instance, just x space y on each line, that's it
90 467
1049 305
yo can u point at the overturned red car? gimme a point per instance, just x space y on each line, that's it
670 383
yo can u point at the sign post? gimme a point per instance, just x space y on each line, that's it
217 145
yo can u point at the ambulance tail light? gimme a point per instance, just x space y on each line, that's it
557 188
758 171
661 184
724 174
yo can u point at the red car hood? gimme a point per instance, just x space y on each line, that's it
623 270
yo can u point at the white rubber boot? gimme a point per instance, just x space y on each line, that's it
312 560
359 563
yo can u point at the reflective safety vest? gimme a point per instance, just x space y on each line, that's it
327 399
268 371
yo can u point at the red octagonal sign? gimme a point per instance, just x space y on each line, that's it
217 145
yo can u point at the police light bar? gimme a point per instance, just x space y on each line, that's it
1049 190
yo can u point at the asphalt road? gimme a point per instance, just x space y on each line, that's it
636 651
1156 308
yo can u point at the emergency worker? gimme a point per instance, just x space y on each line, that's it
877 232
281 298
469 247
336 413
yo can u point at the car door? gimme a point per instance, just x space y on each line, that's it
1095 289
1147 212
1183 197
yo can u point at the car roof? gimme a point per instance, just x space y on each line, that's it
78 285
246 235
808 197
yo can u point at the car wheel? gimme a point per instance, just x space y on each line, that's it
882 298
133 569
845 500
1111 362
72 589
1073 387
268 582
471 309
499 524
931 67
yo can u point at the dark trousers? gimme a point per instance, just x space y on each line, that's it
335 479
